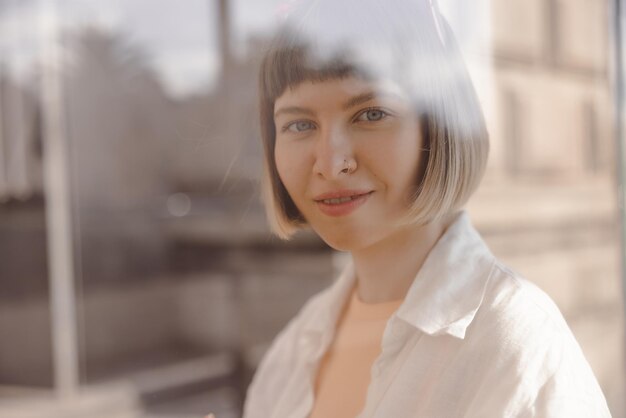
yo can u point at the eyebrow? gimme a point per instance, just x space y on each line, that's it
353 101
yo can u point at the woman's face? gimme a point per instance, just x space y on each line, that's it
319 126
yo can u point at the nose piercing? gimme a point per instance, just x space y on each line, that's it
347 167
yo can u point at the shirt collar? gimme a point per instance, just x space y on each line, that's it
444 296
450 286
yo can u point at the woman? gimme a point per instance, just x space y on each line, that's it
374 138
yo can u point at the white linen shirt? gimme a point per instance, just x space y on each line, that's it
471 339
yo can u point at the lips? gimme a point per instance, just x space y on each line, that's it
341 203
338 194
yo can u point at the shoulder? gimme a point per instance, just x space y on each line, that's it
518 317
283 356
511 299
527 339
283 346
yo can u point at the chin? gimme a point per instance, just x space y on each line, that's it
339 246
348 241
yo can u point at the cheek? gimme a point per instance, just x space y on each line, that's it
408 145
281 161
396 155
398 161
288 166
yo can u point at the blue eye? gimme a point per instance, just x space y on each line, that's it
298 126
372 115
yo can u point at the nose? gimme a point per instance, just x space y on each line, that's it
332 150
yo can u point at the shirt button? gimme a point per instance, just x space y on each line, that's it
304 341
307 343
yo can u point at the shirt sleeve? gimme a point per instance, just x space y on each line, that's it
571 390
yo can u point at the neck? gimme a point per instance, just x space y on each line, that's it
386 270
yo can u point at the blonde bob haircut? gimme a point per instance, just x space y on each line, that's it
407 42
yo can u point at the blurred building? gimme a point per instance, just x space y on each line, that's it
554 101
